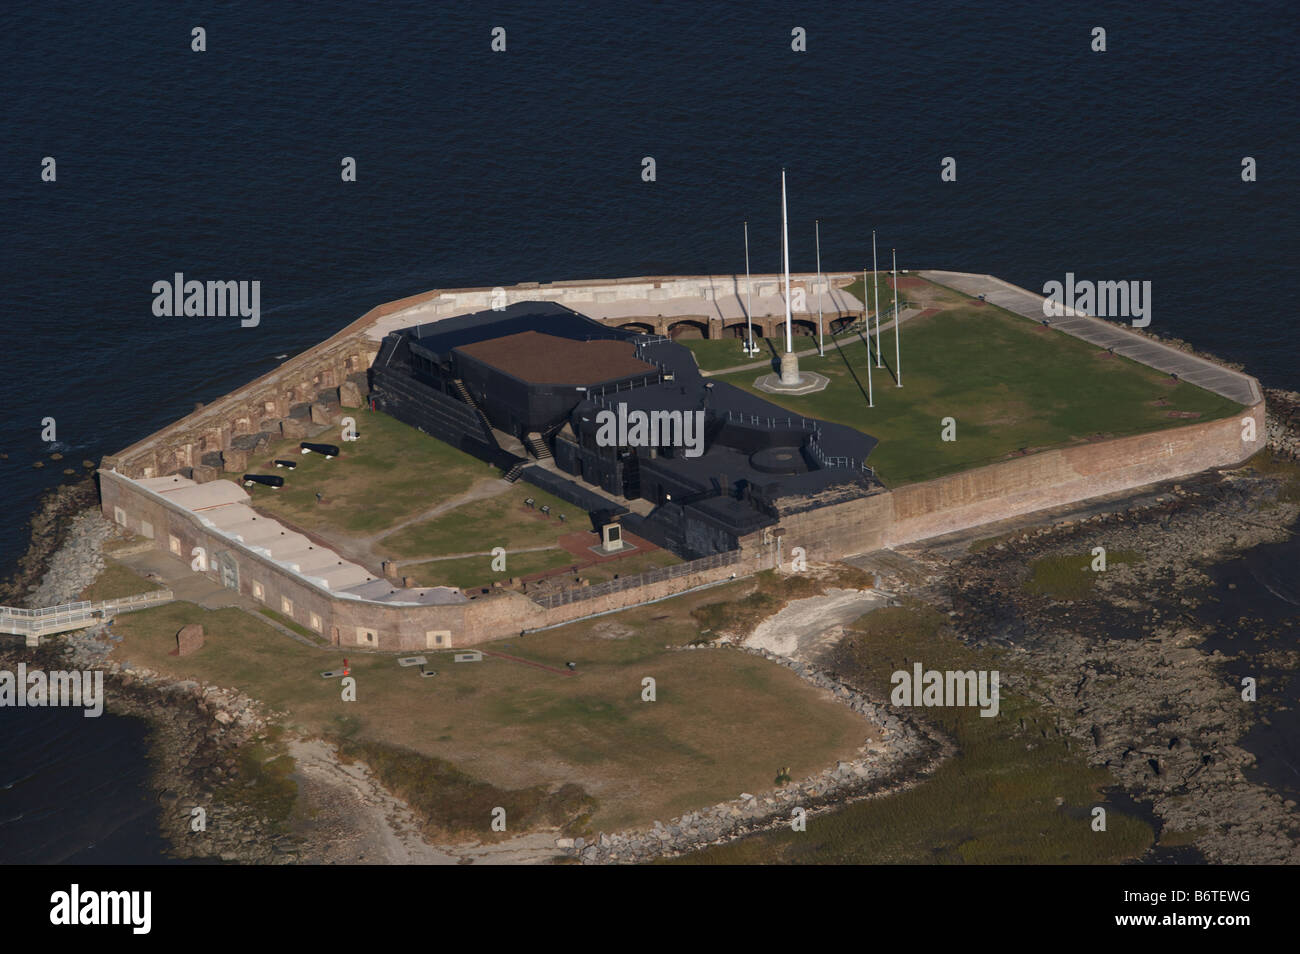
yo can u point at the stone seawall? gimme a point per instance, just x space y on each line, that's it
1022 485
315 375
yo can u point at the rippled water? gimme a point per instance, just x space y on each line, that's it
481 169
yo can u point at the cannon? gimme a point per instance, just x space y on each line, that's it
329 450
291 464
266 480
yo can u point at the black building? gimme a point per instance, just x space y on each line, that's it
627 413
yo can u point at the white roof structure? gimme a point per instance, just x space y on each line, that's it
223 507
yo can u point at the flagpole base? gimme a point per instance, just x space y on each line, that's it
790 370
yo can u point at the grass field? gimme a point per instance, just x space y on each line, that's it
477 570
1009 383
117 581
723 722
1014 794
391 473
468 572
380 494
502 520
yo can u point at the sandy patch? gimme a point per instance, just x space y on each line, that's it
609 629
352 819
805 629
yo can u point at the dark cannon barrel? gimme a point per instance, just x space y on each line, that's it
291 464
329 450
267 480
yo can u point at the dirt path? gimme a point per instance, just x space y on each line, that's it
474 553
361 549
480 490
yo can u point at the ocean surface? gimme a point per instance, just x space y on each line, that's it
483 168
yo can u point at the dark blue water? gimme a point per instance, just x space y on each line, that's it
71 789
1254 603
478 168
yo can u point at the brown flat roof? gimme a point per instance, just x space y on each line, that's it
546 359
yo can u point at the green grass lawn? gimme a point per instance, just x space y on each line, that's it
392 472
1014 794
714 354
116 581
480 525
628 565
723 722
1009 383
475 571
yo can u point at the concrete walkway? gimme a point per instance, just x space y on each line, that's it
187 586
1233 385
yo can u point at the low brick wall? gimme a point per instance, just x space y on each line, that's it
344 621
1020 486
931 508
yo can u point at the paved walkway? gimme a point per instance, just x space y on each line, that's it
1233 385
190 587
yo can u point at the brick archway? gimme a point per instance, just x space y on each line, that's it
688 328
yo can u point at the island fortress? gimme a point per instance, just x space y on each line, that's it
518 376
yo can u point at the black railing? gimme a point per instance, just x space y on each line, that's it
576 594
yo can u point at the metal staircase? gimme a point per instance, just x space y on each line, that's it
463 393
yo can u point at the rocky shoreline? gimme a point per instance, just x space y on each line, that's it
908 751
48 530
1123 670
196 731
196 734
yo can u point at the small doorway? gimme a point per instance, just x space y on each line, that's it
227 570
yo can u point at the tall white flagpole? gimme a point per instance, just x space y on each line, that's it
875 281
750 347
866 304
871 402
898 323
785 258
821 346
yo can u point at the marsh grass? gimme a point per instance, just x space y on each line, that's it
994 802
1070 576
